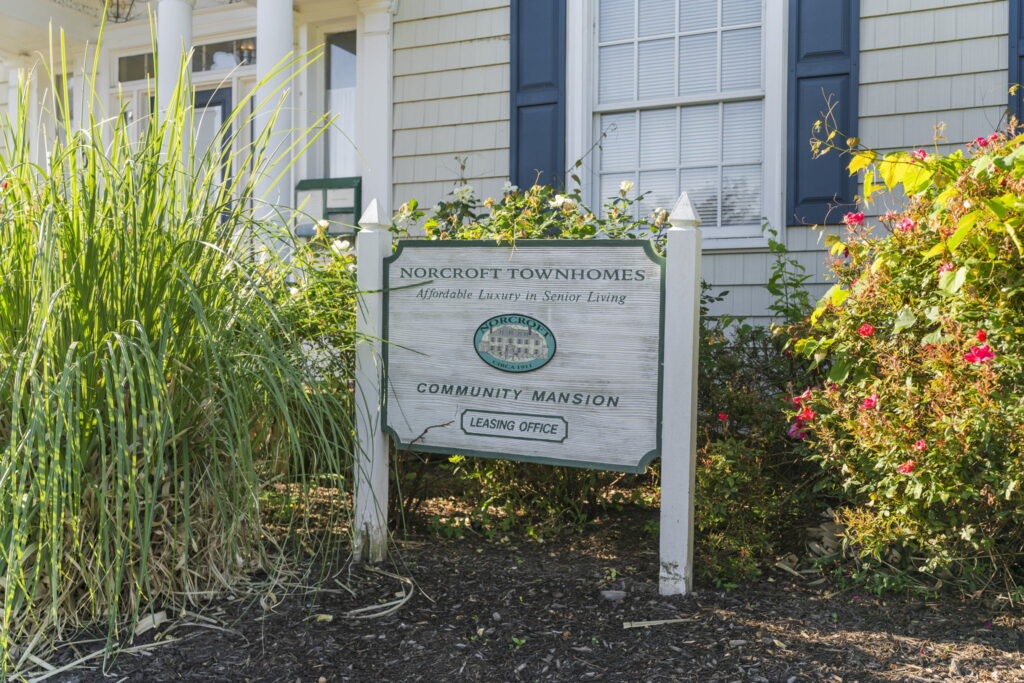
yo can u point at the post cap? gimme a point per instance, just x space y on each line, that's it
370 220
684 215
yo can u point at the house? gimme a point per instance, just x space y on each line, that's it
715 97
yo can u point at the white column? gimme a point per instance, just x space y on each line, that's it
373 98
275 32
173 42
679 399
370 526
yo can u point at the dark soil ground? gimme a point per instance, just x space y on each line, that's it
526 611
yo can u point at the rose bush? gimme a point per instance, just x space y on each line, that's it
923 336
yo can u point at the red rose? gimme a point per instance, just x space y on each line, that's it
865 330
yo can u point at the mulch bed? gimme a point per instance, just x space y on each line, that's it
517 610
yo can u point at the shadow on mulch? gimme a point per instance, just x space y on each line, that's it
529 611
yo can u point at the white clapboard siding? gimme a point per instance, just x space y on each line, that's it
451 100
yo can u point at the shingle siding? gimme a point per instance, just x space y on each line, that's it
922 63
451 101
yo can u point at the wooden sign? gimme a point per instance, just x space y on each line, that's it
549 351
560 352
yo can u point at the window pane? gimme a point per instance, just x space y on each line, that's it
342 157
657 17
699 142
740 12
702 186
741 195
610 186
616 19
660 188
659 141
135 68
618 76
741 59
657 68
696 15
618 147
698 64
742 132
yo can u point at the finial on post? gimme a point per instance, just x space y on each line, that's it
684 215
370 220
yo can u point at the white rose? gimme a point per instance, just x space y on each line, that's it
509 187
625 186
464 193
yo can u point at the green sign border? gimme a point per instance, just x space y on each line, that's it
648 248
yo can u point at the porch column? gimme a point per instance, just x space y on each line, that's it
173 42
275 29
373 99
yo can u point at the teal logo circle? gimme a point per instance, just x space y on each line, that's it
514 343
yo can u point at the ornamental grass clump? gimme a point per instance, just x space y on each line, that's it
151 389
921 416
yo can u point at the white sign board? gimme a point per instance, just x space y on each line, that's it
549 351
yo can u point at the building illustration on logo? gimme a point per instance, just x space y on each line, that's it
514 343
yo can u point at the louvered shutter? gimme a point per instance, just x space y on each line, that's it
537 94
824 47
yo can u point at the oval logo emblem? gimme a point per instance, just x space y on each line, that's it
514 343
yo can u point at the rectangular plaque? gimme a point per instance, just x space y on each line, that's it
549 351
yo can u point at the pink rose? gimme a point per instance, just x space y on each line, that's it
870 403
979 354
906 225
907 467
920 445
853 218
920 155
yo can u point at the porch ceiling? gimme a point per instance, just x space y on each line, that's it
25 26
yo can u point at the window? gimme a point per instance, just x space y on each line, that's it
226 54
679 103
342 160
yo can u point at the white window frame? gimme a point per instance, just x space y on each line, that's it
583 114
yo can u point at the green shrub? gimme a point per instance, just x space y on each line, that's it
921 417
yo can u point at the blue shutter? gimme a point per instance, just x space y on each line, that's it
537 96
1016 65
824 49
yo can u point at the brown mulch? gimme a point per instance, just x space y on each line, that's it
516 610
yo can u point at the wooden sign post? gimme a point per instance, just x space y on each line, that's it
568 352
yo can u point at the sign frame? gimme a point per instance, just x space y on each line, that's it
648 249
677 435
